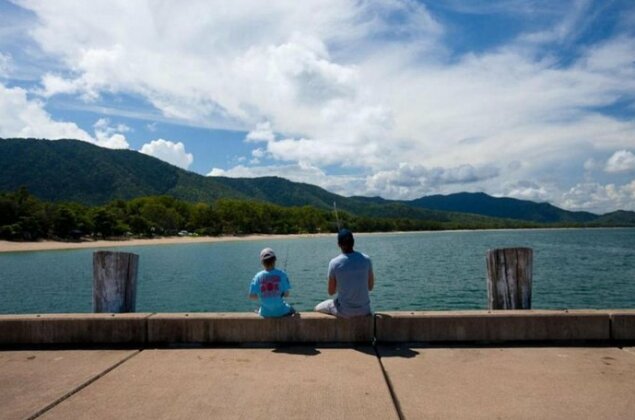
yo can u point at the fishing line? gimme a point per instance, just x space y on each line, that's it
286 258
337 217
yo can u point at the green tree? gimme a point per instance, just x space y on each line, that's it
8 210
64 221
104 222
163 219
139 225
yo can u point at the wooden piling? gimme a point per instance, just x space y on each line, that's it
509 277
114 281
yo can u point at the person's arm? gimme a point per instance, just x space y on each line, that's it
371 280
285 284
253 288
332 285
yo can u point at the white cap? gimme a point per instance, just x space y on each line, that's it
266 254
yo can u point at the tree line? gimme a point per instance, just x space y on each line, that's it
23 217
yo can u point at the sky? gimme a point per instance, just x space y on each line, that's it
531 99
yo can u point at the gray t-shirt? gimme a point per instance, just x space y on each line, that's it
351 272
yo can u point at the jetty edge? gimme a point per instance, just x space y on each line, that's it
610 327
461 364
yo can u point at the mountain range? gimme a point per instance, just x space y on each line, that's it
72 170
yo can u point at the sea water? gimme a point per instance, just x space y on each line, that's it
573 268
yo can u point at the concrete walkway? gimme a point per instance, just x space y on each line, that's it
319 383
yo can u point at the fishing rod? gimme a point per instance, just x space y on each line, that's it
286 258
337 217
284 264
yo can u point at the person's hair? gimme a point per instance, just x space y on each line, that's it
269 261
346 240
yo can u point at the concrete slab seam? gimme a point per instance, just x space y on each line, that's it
147 328
374 339
82 386
391 389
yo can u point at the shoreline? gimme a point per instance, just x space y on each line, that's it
8 246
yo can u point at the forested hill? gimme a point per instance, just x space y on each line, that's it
71 170
512 208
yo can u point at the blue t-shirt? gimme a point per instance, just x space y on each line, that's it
351 273
270 286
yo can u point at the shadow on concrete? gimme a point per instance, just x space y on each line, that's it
387 351
396 351
297 350
381 351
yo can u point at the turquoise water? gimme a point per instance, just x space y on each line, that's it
578 268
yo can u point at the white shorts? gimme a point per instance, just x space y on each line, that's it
326 307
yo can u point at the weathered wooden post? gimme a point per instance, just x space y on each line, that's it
114 281
509 275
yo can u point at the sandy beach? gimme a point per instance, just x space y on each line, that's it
6 246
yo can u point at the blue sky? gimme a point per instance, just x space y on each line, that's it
396 98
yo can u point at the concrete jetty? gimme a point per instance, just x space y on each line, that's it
468 364
152 329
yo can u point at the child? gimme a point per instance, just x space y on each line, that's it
270 286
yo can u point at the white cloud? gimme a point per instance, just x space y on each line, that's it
113 141
168 151
263 132
271 63
413 181
369 86
342 78
528 190
340 184
21 117
621 161
103 124
407 182
5 65
592 164
585 196
575 20
218 172
598 198
98 66
299 173
258 153
55 85
110 137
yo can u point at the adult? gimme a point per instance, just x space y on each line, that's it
351 276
